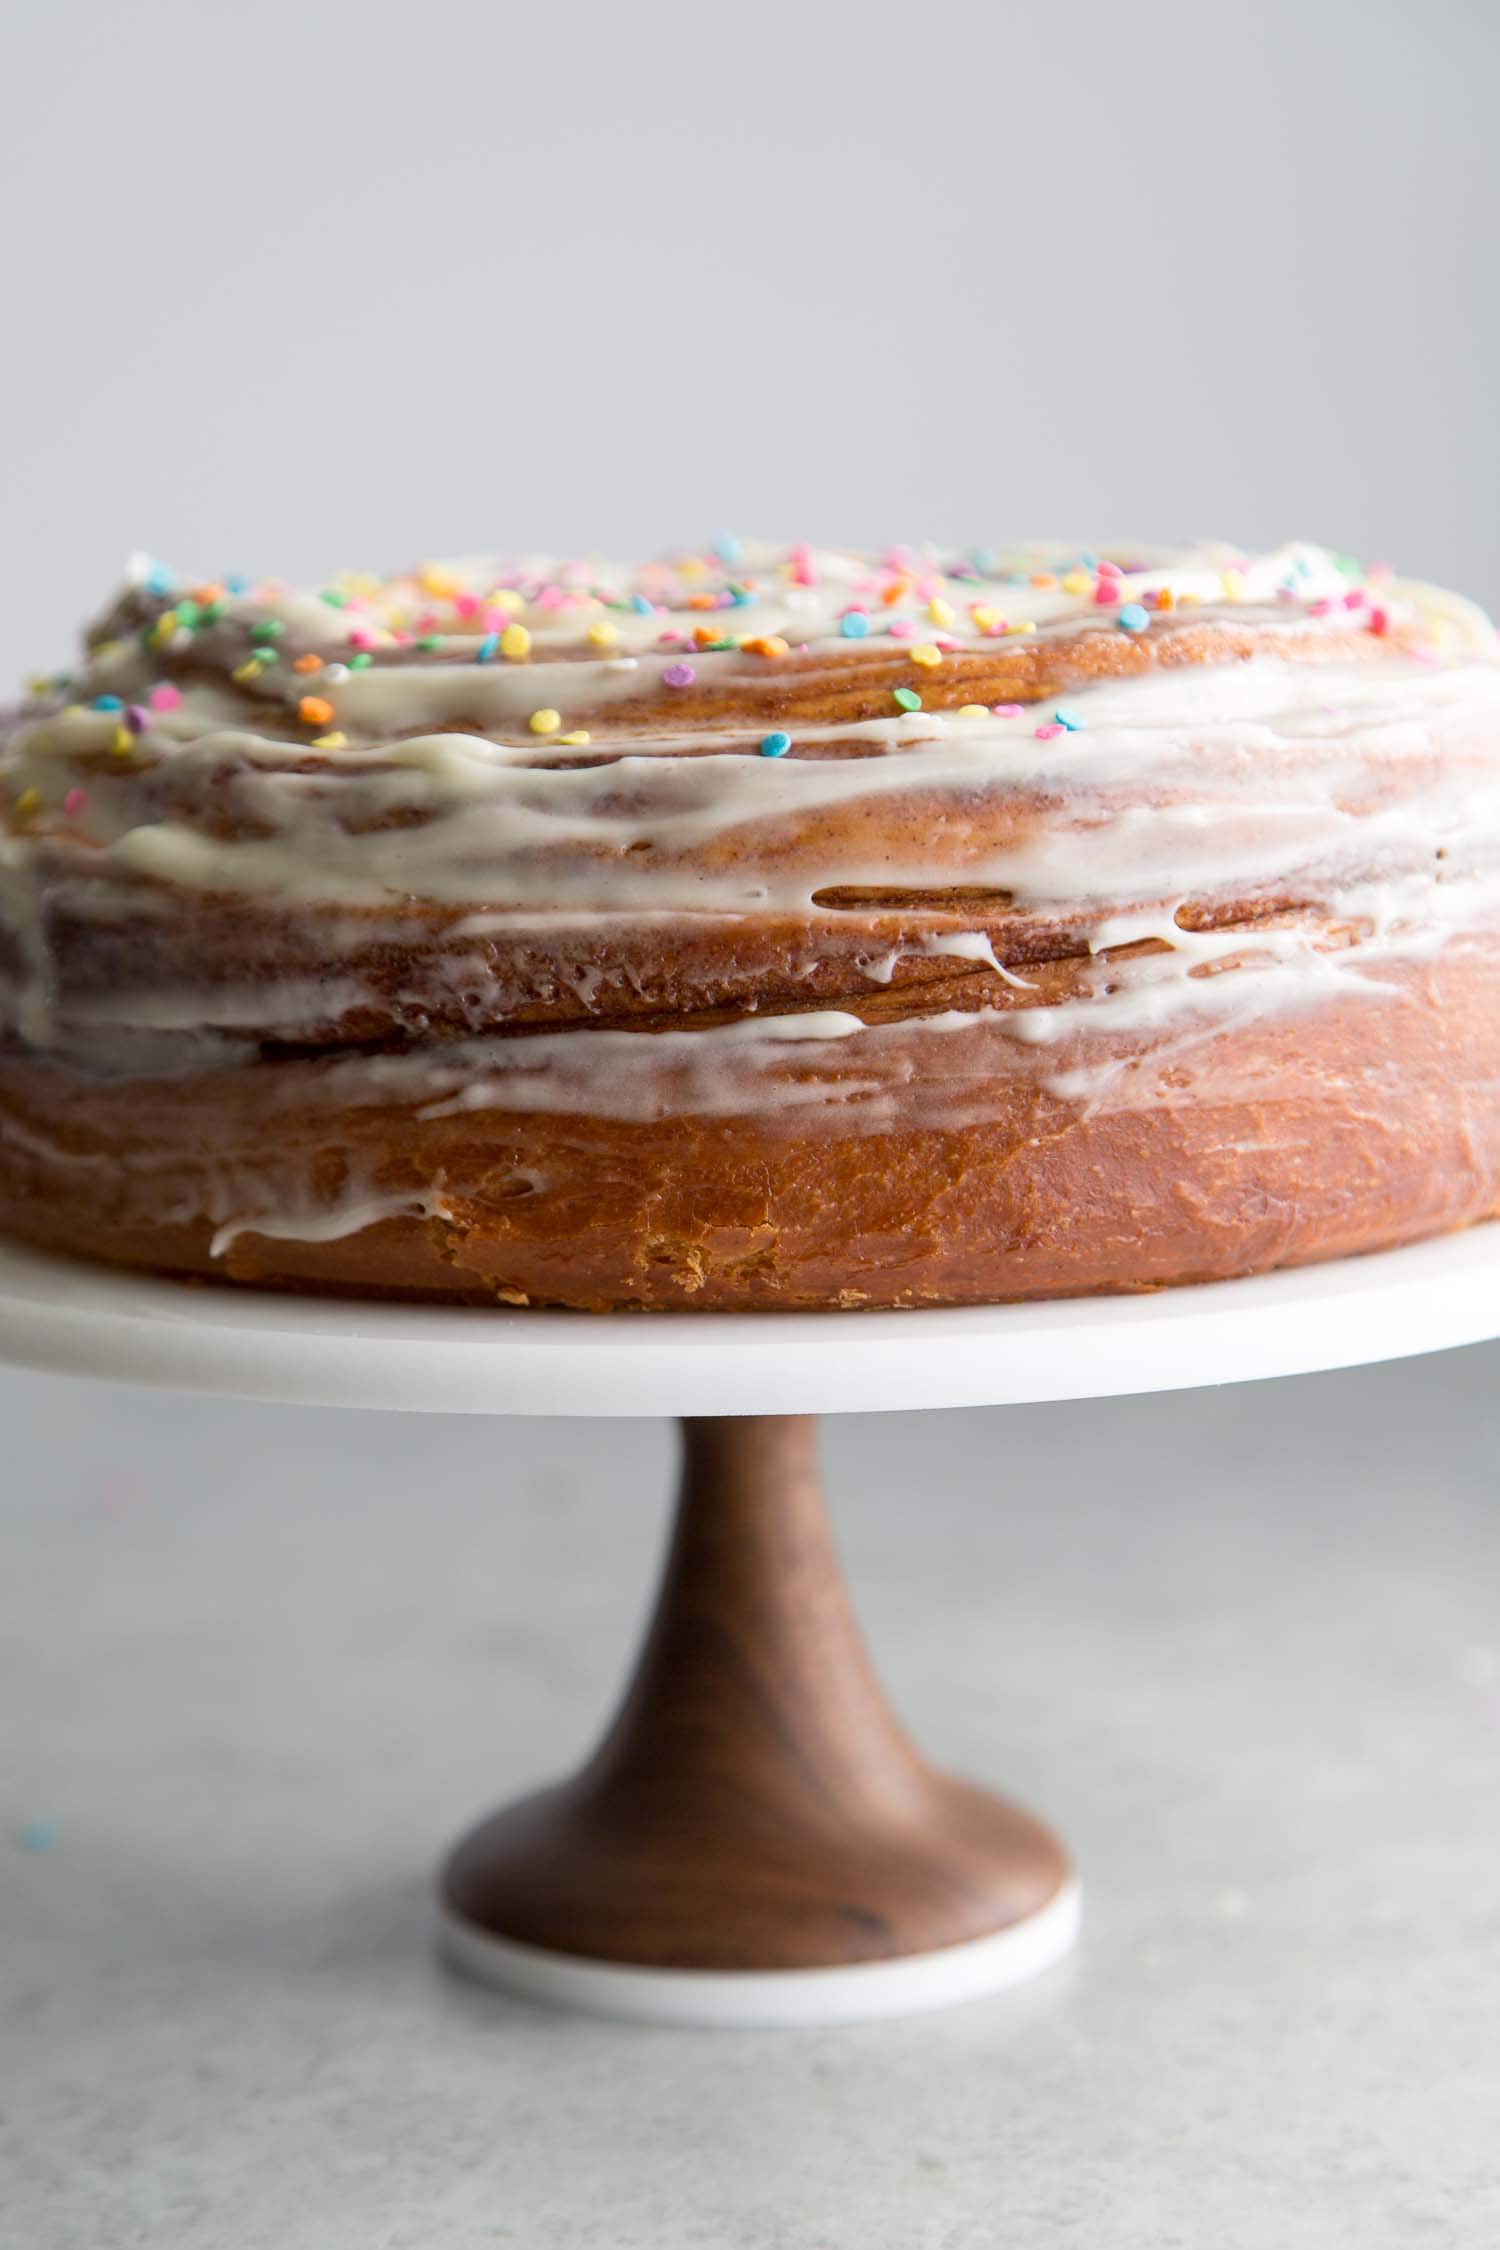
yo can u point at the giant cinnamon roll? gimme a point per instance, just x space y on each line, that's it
760 928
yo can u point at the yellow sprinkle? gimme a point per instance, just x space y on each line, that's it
1076 582
515 642
29 801
1026 625
162 631
692 566
925 653
973 710
545 721
604 634
251 669
334 741
38 684
437 582
123 743
1234 586
940 612
74 711
985 617
1187 596
506 598
579 734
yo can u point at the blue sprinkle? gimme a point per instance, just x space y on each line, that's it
1070 720
741 596
109 703
775 745
487 648
236 585
160 580
642 605
728 548
1132 618
855 626
983 559
39 1836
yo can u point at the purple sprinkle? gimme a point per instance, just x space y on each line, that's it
137 718
679 675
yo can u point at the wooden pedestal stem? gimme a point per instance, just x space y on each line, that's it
755 1804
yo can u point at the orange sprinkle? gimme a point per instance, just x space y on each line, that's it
308 664
766 644
703 601
897 591
1044 578
1165 598
315 711
706 635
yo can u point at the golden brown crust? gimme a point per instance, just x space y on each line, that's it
1360 1124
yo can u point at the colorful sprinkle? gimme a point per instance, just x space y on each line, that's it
604 635
488 649
315 710
1069 719
926 652
854 625
678 675
39 1836
973 710
1050 732
515 643
775 745
1133 618
165 698
1007 710
109 703
545 721
333 741
29 801
75 801
908 698
579 734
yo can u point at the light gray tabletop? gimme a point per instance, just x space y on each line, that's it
260 1664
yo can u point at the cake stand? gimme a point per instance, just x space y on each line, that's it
756 1839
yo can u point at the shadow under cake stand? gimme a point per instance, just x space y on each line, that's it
756 1839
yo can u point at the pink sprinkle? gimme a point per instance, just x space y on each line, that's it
164 698
1107 592
1008 710
903 630
75 801
1356 599
1322 608
802 569
679 675
467 605
361 637
1049 732
1380 621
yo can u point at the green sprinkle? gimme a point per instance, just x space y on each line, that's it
334 598
189 614
360 662
269 629
908 698
430 640
211 612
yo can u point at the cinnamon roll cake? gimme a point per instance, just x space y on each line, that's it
758 928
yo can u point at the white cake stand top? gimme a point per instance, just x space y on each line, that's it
77 1319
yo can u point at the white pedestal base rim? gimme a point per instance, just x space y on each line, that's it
741 1998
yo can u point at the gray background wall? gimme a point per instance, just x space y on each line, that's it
310 285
